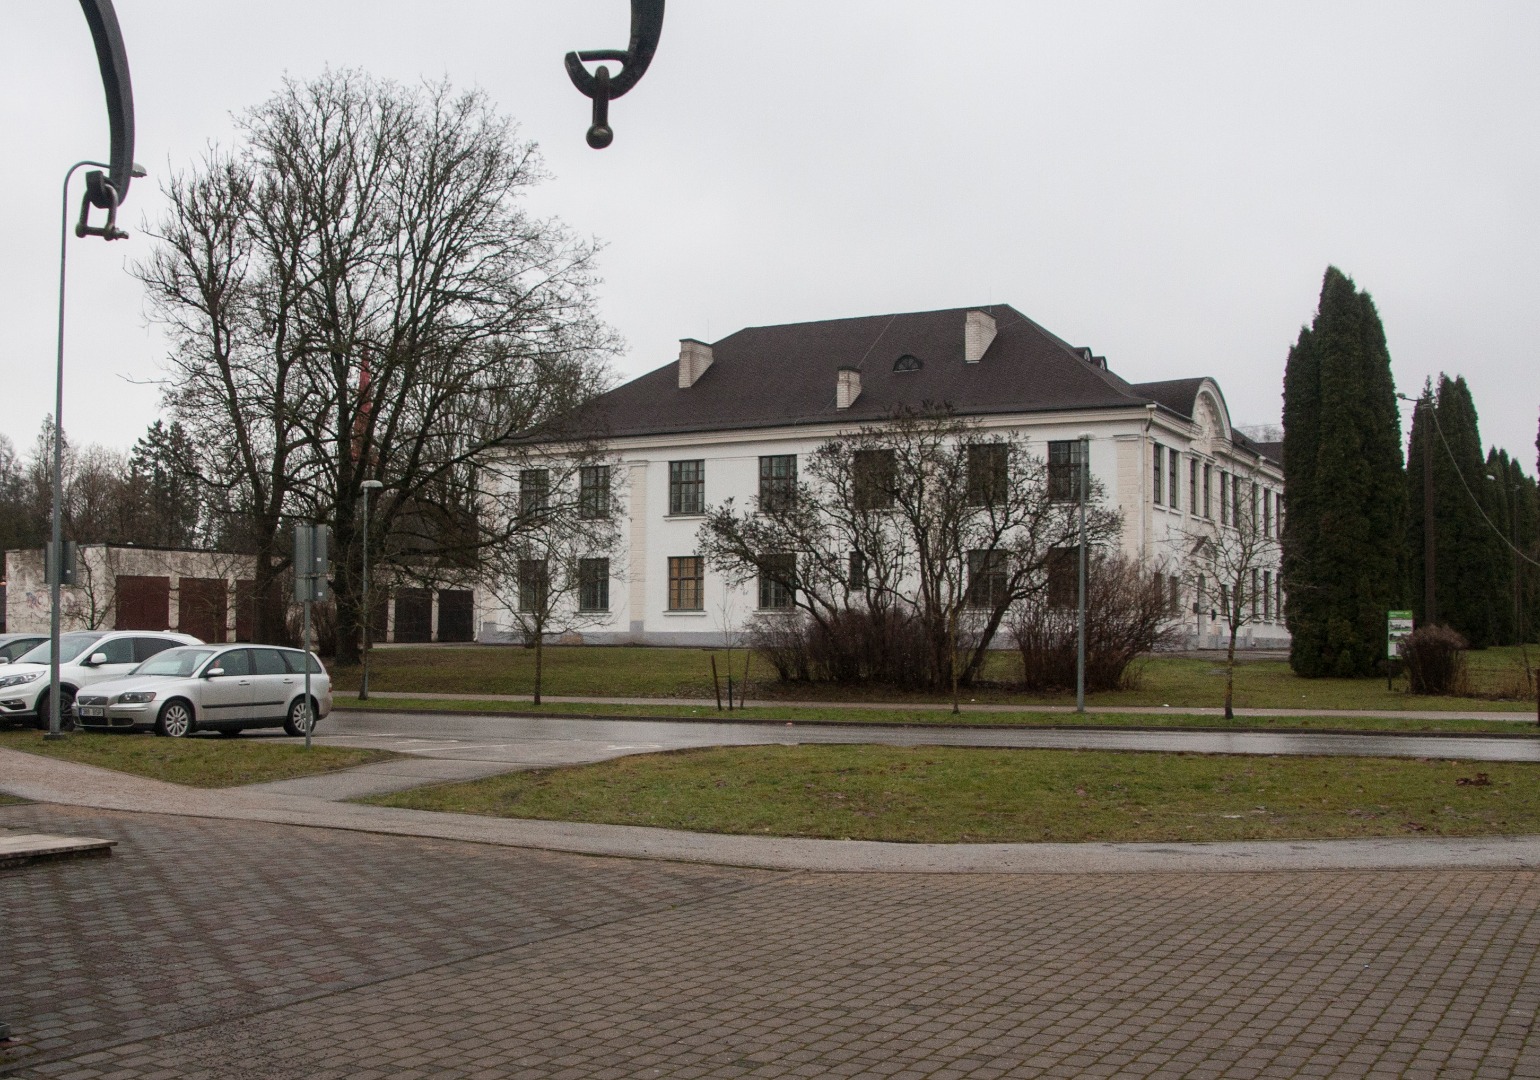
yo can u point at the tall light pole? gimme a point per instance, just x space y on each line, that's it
363 683
1083 485
55 561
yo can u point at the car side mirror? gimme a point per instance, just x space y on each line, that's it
98 659
5 659
211 672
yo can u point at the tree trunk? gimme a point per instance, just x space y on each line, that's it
348 578
269 626
1230 675
539 662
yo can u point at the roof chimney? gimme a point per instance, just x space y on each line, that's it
848 388
977 335
694 359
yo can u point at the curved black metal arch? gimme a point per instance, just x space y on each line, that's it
113 60
646 28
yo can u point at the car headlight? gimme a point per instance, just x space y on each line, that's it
18 680
136 697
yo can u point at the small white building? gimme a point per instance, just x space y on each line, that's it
711 424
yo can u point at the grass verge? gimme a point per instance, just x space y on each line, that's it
1497 678
207 763
956 795
943 718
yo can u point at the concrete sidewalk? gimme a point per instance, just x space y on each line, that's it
51 781
343 697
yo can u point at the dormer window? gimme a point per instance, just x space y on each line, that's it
907 362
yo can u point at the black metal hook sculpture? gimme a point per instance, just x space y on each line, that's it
646 28
107 191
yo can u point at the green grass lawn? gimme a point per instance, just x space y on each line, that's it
944 717
200 762
956 795
1180 682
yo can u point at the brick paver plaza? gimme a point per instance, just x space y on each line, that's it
206 948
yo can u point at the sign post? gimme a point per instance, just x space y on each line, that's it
312 569
1398 624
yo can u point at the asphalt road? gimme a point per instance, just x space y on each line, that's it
534 742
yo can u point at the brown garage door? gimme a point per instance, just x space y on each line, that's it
414 615
143 603
455 615
201 607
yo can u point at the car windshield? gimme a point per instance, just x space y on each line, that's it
70 646
175 662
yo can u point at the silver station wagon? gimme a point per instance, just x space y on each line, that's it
224 688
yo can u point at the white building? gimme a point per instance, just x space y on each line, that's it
709 425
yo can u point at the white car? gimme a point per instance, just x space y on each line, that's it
224 688
86 657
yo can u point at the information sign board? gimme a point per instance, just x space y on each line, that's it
1397 626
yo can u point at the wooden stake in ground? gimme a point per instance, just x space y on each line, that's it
715 684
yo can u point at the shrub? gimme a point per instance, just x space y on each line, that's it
1127 613
1435 660
857 645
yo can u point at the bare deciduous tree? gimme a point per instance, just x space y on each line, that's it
1232 557
553 575
928 516
355 292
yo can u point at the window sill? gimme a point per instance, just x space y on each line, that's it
684 517
671 614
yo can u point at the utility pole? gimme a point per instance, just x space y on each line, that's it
1429 591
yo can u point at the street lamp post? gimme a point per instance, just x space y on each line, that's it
1083 484
56 532
363 682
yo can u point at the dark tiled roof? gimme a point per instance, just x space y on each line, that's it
770 376
1272 451
1173 395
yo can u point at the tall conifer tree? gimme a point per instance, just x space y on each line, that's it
1473 594
1344 487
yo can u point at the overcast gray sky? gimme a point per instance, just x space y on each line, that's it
1165 182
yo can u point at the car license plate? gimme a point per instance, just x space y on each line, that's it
92 710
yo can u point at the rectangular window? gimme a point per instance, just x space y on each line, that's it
989 474
1064 470
1159 475
874 479
1064 577
1174 474
1224 497
1254 602
778 582
1192 486
534 492
986 579
857 570
1255 517
594 492
1175 604
687 487
686 583
1267 512
1235 501
1278 595
1224 603
1208 491
777 481
1267 595
593 584
534 584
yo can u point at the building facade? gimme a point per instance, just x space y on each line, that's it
729 417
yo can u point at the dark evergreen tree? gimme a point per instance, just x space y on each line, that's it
1469 553
166 487
1344 487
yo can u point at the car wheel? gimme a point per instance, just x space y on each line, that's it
299 717
66 710
176 720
